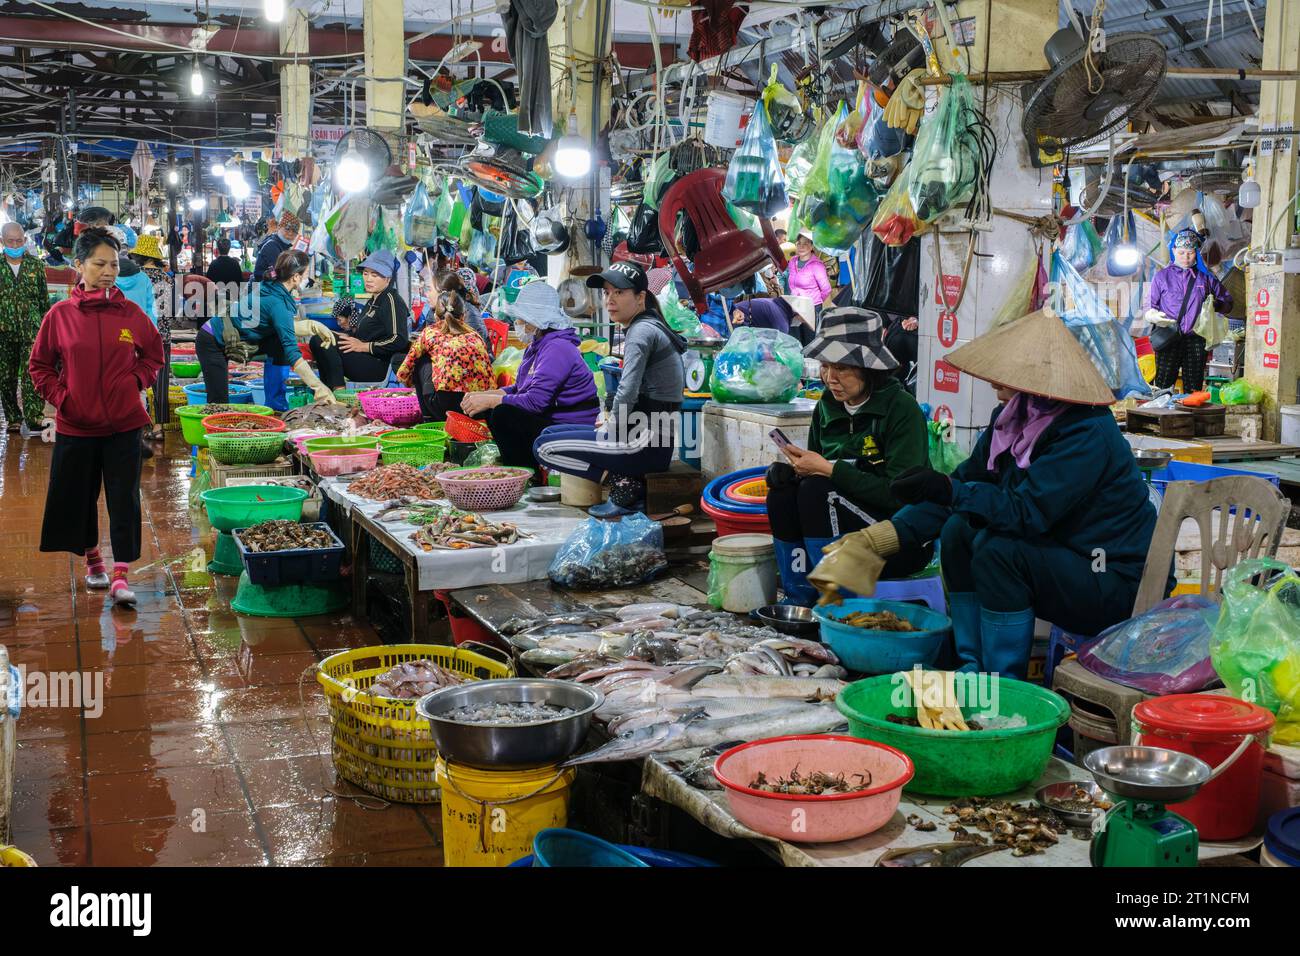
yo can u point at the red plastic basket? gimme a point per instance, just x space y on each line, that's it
238 422
396 406
463 428
498 333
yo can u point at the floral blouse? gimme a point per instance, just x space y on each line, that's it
459 363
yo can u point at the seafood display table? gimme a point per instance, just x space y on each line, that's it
710 808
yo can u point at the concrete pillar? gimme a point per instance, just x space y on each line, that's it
385 66
1273 312
295 86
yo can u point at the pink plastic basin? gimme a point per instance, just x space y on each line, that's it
813 819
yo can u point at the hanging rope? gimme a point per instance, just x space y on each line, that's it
1095 80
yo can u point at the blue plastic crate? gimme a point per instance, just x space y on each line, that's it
1190 471
301 566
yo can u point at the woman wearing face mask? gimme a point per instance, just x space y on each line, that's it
447 360
94 354
379 338
265 320
1173 305
554 386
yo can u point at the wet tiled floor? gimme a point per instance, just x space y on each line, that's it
201 750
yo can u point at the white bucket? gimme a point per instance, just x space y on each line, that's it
1290 424
742 572
724 125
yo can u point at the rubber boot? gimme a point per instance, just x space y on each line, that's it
1006 638
793 562
964 609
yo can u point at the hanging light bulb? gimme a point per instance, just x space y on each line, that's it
1248 196
197 203
239 189
196 81
218 170
274 10
572 154
351 174
1126 256
173 177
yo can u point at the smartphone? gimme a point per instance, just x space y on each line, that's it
779 439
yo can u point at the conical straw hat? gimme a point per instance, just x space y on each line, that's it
1038 355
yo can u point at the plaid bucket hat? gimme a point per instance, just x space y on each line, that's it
852 336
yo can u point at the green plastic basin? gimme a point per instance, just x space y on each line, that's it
333 442
192 416
246 505
952 763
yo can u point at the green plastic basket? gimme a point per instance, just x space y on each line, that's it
186 369
246 505
347 396
287 600
332 442
416 455
438 428
382 560
298 397
245 448
191 418
409 436
950 763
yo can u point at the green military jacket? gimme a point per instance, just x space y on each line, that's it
24 299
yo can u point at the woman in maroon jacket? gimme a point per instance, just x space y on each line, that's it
94 355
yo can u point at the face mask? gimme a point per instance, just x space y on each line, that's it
15 253
519 331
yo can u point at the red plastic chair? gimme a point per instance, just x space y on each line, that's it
498 333
728 254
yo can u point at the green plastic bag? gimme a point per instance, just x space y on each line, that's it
754 181
442 208
838 199
757 365
383 236
790 121
681 317
1241 392
1255 647
945 456
945 163
485 455
660 171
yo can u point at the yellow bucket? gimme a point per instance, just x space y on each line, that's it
489 817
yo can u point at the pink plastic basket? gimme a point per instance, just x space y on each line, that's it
396 406
344 461
469 493
300 441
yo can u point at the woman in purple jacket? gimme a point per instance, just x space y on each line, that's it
1177 293
554 386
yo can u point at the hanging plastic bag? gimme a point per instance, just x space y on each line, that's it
1081 246
1122 255
643 234
1163 651
442 208
1107 343
419 225
482 252
799 165
945 456
1241 392
895 222
790 121
505 367
838 198
610 554
348 227
383 236
657 178
681 316
1019 302
945 166
1256 644
757 365
754 178
1210 325
485 455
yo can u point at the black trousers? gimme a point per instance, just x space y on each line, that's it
1186 352
434 404
336 367
160 393
79 467
812 508
514 432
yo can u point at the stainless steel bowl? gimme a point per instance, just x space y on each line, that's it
510 745
1152 460
1066 791
797 621
1147 773
543 493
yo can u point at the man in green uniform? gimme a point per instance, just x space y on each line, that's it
24 300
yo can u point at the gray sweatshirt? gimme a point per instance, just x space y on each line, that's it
652 366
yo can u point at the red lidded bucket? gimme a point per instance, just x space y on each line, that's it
464 629
1211 727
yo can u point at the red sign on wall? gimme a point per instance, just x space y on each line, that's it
1262 316
947 378
1261 298
1270 360
950 286
943 414
1270 336
948 329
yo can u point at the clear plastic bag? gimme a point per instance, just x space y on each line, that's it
1019 301
1109 346
1081 246
505 367
1164 651
789 119
838 199
1256 644
419 226
757 365
681 317
754 181
945 455
945 166
485 455
610 554
1210 325
895 222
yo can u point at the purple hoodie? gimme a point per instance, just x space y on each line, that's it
554 381
1169 285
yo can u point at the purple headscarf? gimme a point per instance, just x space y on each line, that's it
767 313
1022 422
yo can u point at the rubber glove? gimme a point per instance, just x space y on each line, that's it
1156 317
922 484
907 104
306 328
855 561
321 391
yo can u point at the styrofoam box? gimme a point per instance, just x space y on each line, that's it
733 437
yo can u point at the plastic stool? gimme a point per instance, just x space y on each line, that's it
927 589
1060 644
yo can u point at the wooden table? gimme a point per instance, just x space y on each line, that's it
1227 448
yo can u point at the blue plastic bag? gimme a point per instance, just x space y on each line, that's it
1164 651
418 225
609 554
1107 343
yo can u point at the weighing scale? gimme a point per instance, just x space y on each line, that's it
1139 830
1151 461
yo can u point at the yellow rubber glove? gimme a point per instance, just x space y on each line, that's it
855 561
321 391
906 105
306 328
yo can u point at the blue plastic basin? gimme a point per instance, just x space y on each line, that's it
560 847
883 652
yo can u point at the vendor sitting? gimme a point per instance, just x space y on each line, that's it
379 337
266 324
1049 517
553 386
763 314
866 432
446 361
639 436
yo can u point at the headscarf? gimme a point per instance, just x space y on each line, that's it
1188 239
1022 422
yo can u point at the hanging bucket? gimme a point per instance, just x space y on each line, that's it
490 817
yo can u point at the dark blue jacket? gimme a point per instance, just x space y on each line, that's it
1082 490
276 312
267 253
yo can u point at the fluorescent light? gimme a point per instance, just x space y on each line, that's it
274 10
197 203
572 154
218 170
196 81
1126 256
351 174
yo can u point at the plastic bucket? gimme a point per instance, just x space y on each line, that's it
742 572
883 652
239 394
688 437
1213 728
559 847
655 858
730 522
490 817
464 629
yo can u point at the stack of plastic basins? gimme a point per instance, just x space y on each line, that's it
734 514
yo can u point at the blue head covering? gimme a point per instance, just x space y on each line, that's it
383 262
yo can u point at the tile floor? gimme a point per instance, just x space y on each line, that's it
201 750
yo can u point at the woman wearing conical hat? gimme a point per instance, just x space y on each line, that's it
1048 518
